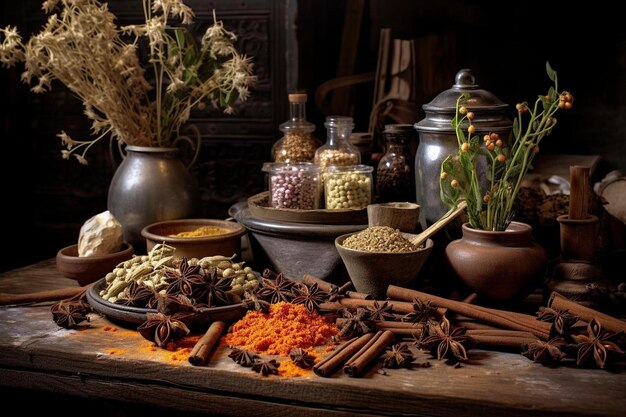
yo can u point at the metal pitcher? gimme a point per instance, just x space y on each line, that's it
438 138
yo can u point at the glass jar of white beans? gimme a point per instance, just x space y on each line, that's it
295 186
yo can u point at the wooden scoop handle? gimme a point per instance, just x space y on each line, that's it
439 224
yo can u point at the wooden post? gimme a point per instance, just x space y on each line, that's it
578 194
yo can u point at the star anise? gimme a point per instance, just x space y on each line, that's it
397 356
442 341
185 280
355 323
561 321
161 328
379 311
69 313
266 367
276 290
302 358
253 302
596 346
137 295
423 312
170 304
216 288
545 353
311 297
243 357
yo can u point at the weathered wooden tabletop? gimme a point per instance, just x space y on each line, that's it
108 361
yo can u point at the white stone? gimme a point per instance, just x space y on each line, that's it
100 235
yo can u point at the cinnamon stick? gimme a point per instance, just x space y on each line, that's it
330 364
201 351
359 295
359 362
501 341
397 306
578 196
470 299
330 306
503 333
321 284
345 287
41 296
501 318
559 302
383 324
472 324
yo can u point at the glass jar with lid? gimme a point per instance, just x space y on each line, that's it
337 151
298 143
295 186
395 180
348 186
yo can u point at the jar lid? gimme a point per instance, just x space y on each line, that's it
347 169
339 121
297 97
398 128
489 110
294 167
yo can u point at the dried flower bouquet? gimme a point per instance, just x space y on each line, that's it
82 47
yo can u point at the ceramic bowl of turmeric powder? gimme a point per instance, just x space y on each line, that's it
196 238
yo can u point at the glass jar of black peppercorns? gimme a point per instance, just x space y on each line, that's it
395 180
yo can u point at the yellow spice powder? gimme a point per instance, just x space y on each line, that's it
203 231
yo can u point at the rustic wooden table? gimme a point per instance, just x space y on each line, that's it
107 361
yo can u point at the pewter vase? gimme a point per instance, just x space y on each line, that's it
150 185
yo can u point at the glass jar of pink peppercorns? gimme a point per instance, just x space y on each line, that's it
295 186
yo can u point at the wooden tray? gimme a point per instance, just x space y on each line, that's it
259 207
137 315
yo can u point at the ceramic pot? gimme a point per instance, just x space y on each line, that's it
151 185
499 266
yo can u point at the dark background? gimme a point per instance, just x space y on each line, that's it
46 199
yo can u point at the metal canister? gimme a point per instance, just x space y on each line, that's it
438 138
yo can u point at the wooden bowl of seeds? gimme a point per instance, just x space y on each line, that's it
380 256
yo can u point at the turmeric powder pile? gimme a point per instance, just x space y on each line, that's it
202 231
286 326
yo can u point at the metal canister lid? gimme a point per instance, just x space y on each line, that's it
489 110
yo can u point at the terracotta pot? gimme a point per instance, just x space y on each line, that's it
499 266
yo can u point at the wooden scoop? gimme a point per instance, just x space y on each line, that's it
439 224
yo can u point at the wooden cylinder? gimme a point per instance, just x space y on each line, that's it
578 237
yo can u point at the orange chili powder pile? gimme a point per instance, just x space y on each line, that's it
289 369
286 326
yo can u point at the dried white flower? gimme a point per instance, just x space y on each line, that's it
82 47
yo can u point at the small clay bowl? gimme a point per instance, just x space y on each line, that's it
226 244
373 272
88 269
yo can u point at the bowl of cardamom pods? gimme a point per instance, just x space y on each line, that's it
379 256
